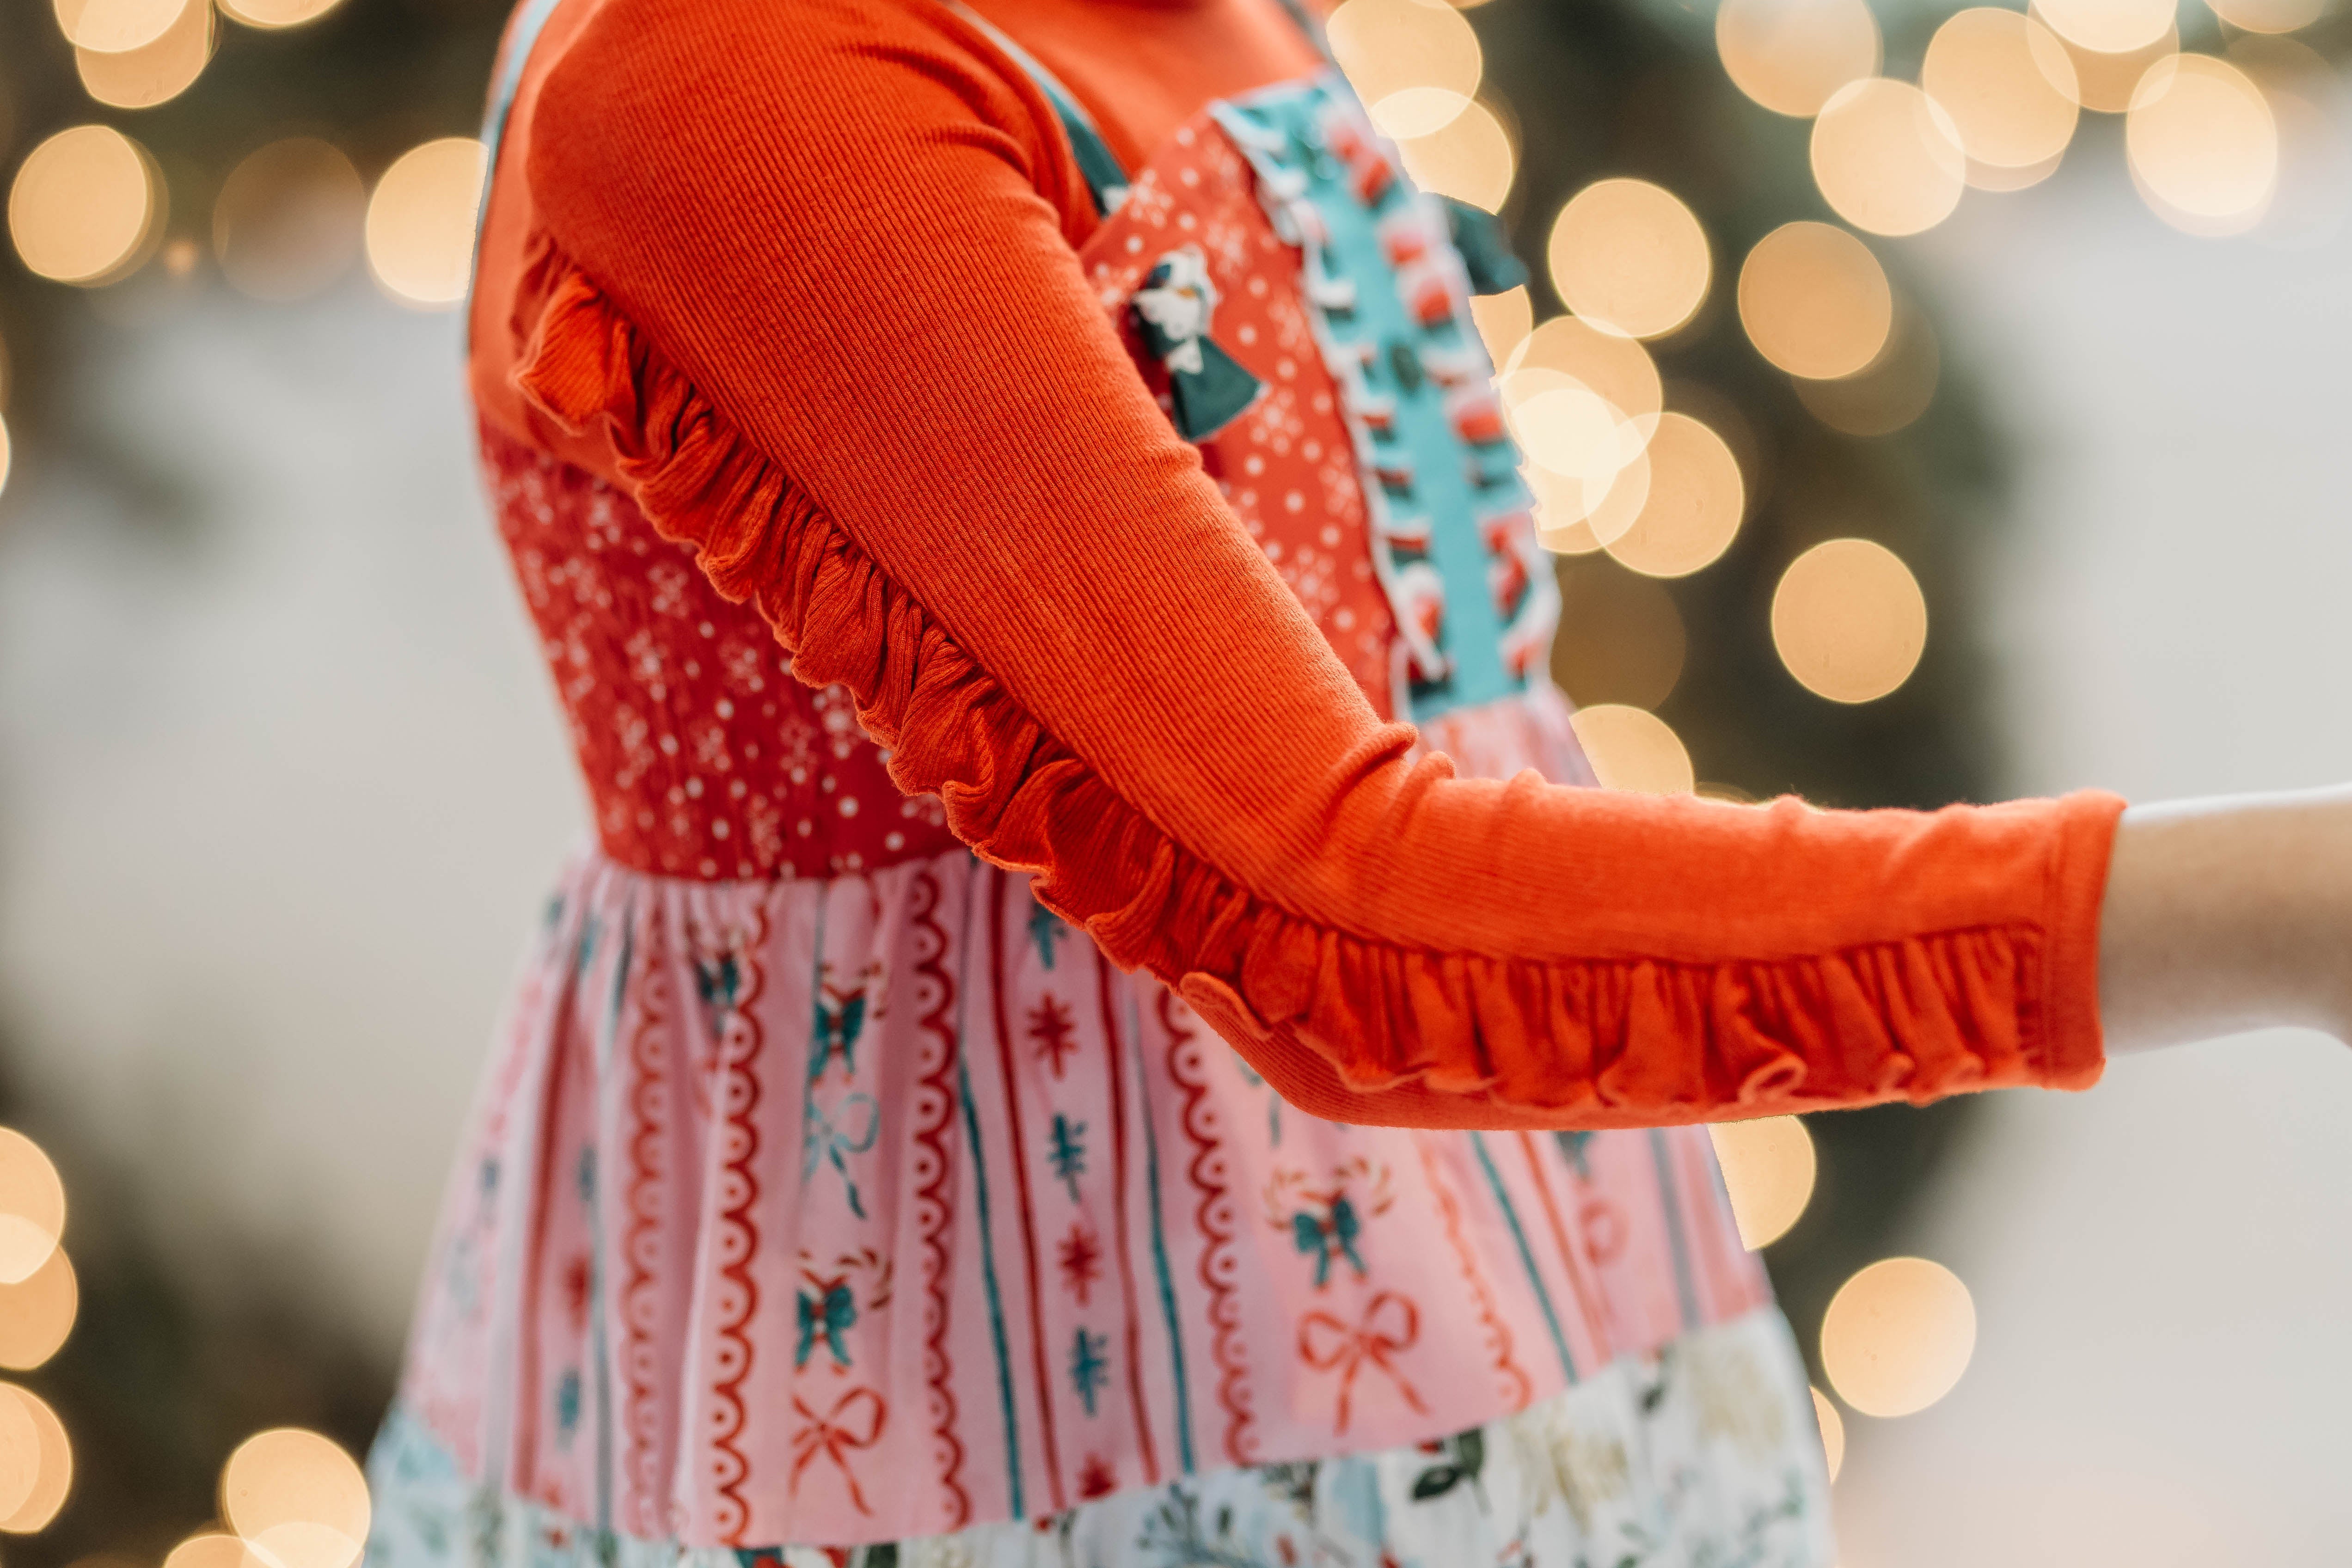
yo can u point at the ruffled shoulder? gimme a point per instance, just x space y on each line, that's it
1348 1026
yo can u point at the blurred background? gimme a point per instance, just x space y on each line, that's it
1926 404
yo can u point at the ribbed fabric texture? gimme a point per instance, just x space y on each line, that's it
802 279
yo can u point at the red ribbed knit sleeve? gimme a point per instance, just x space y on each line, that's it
794 272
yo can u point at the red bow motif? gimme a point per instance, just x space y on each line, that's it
835 1433
1391 1323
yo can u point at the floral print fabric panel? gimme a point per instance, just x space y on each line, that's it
703 756
1705 1457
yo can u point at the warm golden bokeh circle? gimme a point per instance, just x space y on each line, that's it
1833 1427
298 1497
2109 26
1889 392
1417 66
1814 300
53 1464
1617 368
2101 82
84 206
2268 15
1897 1336
1790 55
420 222
1470 158
212 1549
1633 750
37 1313
160 72
32 1208
1694 502
2008 85
1769 1167
1849 621
269 14
2203 144
286 222
1629 257
1569 430
1887 157
117 26
8 455
1504 322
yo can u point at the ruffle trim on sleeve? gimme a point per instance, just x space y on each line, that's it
1351 1028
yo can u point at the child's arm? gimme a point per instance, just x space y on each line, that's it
2229 914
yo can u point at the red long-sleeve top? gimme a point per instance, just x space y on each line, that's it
802 279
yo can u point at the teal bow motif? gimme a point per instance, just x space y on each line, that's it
1208 387
850 1127
1332 1238
829 1315
836 1029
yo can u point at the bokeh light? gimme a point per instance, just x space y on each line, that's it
1470 158
1790 55
2105 82
1616 368
1581 403
117 26
20 1452
1814 300
297 1497
1849 621
1769 1168
1629 258
1584 450
85 205
1503 321
2009 86
288 220
2268 15
1833 1427
420 222
272 14
1694 503
1887 157
1620 637
1889 392
2109 26
156 73
1631 749
1416 66
7 456
52 1466
1897 1336
2204 145
37 1313
32 1208
212 1549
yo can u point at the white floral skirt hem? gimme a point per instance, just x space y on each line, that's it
1706 1457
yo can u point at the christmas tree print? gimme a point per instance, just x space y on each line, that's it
1068 1152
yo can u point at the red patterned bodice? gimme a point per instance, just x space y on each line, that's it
704 757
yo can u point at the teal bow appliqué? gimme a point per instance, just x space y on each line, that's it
1208 387
828 1315
1327 1238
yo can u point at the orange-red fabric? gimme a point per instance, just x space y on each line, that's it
802 279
